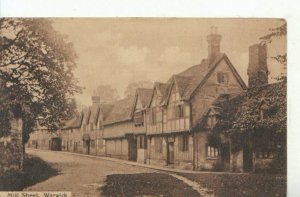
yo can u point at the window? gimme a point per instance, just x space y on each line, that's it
142 142
179 111
265 154
138 119
212 151
158 144
223 78
183 142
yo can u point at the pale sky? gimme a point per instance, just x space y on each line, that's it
119 51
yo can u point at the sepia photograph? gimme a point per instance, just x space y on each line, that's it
140 106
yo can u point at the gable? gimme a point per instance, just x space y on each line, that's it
211 87
156 99
138 105
174 95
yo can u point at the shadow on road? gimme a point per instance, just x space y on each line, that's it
35 170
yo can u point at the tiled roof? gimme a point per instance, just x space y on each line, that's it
162 88
192 78
74 122
121 111
182 83
106 109
145 96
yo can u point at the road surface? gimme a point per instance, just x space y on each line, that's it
83 176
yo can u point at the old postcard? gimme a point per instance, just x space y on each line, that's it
143 107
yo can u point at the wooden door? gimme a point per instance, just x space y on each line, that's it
88 147
170 153
132 148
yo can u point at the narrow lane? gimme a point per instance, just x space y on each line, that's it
83 176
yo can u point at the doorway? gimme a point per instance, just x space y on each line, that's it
225 156
88 147
247 159
170 153
132 147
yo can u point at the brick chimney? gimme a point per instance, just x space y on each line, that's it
95 100
257 68
213 40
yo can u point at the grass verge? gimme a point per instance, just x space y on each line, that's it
246 185
35 170
146 184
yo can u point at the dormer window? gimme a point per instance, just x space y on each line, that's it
222 78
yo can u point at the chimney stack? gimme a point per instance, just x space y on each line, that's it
257 69
213 40
95 100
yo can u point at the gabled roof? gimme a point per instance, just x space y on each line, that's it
162 89
106 109
145 95
74 122
194 77
86 115
121 111
95 109
182 82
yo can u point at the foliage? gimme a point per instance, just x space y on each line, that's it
242 119
107 93
268 38
131 88
36 72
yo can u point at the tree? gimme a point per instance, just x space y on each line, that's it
275 33
131 88
107 93
36 73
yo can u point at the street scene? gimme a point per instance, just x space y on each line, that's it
144 106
